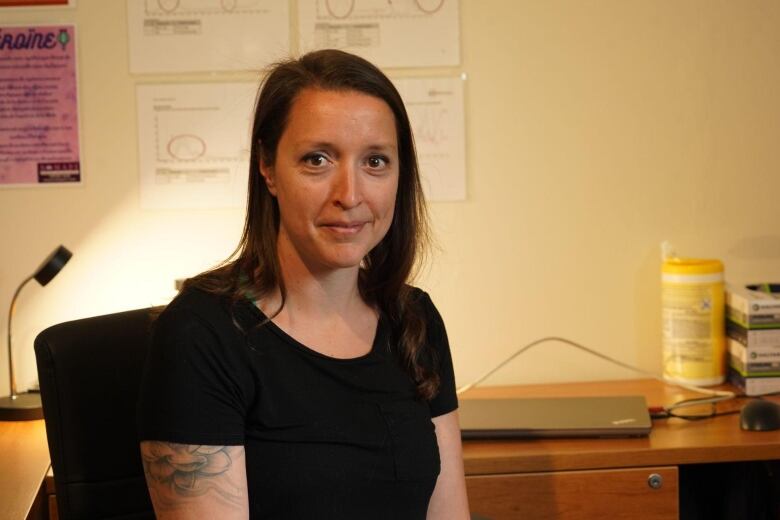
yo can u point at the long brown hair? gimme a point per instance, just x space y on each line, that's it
253 269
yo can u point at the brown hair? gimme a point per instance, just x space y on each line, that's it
253 268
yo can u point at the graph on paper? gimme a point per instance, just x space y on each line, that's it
435 108
390 33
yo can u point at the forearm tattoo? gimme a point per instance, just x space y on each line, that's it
175 471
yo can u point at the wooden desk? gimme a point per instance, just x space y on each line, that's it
24 461
602 478
553 478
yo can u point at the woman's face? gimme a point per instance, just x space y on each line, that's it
335 178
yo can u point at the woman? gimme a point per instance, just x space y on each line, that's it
305 378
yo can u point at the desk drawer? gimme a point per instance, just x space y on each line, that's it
575 495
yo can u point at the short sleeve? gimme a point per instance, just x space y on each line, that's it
447 399
197 386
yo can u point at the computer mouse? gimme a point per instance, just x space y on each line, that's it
760 415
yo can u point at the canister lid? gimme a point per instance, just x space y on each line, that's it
692 266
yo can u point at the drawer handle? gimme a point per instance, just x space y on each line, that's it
655 481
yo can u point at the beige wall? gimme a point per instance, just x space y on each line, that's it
595 130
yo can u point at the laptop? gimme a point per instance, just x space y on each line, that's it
549 417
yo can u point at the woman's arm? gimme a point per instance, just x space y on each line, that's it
449 499
191 481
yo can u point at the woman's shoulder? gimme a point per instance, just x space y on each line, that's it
420 299
199 322
195 299
416 294
196 304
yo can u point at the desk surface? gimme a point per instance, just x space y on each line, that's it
24 454
24 461
671 441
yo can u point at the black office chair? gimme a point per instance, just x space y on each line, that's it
89 372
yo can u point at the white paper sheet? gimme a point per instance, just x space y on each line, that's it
206 35
389 33
194 144
435 108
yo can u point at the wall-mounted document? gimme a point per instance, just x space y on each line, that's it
206 35
27 4
435 108
194 144
397 33
39 123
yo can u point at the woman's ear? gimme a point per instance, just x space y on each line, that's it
267 171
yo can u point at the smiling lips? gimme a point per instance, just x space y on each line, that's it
345 228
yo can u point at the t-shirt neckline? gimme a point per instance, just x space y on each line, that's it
273 327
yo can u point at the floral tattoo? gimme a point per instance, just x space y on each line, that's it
184 470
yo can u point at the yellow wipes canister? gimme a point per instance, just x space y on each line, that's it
694 345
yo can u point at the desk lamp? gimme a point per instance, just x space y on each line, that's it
27 406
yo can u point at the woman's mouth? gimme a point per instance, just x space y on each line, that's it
345 228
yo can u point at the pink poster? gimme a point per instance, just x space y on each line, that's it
39 138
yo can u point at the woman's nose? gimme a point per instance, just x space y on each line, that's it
346 186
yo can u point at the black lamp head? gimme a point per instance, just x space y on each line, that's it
52 265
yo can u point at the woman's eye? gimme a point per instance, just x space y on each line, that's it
377 161
315 159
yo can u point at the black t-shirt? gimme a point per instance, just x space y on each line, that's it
324 437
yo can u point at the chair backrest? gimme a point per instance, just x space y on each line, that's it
90 372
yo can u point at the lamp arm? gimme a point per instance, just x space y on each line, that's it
11 378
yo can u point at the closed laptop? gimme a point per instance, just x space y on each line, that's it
613 416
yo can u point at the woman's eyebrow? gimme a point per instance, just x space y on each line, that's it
383 146
305 146
326 145
314 144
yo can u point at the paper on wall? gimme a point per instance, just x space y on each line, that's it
397 33
39 124
28 4
435 108
206 35
194 144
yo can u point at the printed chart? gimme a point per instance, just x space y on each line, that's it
194 144
435 108
206 35
390 33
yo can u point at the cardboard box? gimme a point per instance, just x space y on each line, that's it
755 362
754 306
753 338
755 385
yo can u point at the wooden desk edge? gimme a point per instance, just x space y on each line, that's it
23 466
671 442
523 463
